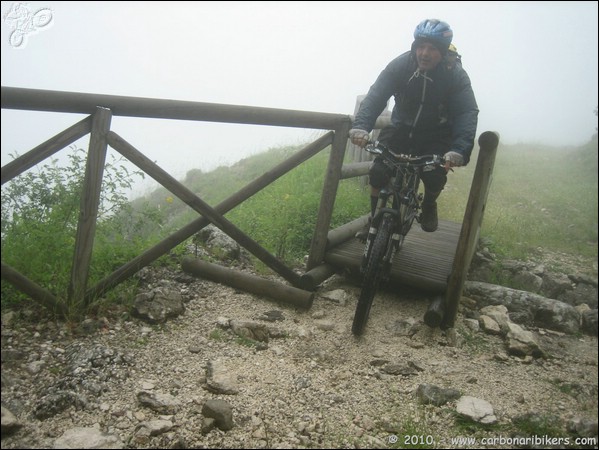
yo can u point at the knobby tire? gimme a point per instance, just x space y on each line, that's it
372 274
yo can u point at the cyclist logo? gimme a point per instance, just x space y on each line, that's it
24 22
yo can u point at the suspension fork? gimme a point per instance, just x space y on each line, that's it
393 246
384 195
395 239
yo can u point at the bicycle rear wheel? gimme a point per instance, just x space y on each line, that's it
372 274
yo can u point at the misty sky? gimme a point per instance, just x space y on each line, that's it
533 67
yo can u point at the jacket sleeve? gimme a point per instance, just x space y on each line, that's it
464 111
378 95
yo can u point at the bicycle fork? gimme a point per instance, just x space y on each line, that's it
395 240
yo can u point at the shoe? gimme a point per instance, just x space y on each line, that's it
363 233
428 219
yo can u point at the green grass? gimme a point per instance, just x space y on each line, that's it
247 342
538 425
540 198
217 335
476 343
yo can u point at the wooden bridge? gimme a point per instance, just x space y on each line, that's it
436 261
424 262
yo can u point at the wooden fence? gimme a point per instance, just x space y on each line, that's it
101 109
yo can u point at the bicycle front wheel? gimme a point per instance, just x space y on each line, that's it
372 274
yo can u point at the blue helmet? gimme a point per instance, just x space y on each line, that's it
435 31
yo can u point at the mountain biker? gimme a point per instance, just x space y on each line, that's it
435 112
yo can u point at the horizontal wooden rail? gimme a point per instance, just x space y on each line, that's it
346 231
381 121
75 102
249 283
311 279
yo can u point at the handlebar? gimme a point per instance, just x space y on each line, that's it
414 160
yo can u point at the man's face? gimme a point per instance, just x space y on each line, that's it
427 56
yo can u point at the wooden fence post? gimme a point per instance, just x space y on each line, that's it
473 216
329 192
90 202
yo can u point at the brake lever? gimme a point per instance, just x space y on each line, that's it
371 147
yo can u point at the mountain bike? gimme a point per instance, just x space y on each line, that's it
398 206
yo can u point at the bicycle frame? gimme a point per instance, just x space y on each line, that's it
400 199
398 205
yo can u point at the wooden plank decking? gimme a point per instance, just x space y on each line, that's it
424 262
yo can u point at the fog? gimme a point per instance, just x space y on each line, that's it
533 67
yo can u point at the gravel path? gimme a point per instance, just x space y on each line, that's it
311 385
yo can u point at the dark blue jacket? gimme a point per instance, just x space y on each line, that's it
437 105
